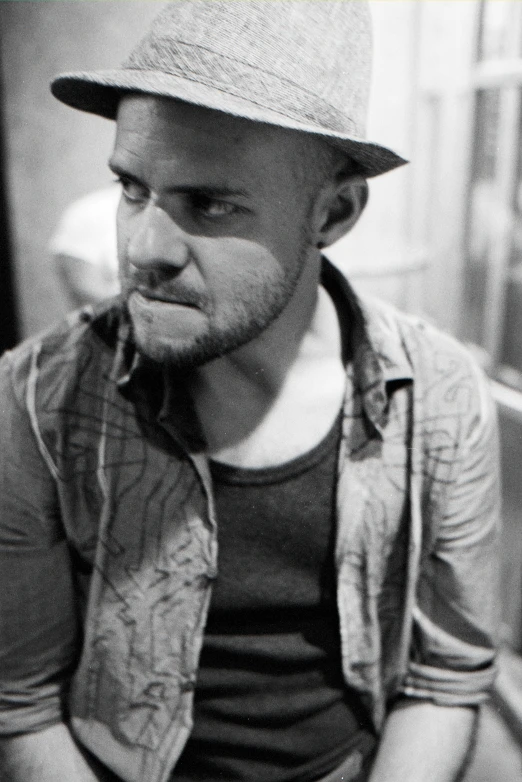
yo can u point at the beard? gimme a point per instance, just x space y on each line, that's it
214 329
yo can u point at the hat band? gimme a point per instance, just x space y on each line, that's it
267 90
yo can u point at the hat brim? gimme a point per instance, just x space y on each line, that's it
100 92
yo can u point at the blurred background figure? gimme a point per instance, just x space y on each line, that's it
84 247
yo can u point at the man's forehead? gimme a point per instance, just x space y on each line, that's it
166 117
161 133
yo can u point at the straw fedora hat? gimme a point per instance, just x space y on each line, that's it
299 64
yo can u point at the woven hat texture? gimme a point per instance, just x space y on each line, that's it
300 64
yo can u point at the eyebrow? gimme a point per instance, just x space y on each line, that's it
208 190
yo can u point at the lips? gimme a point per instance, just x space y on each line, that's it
181 298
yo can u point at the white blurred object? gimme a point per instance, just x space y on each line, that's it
84 247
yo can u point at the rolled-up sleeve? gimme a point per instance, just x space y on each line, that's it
38 625
457 610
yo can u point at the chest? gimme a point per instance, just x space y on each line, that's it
134 478
276 532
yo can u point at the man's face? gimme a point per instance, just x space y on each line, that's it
211 227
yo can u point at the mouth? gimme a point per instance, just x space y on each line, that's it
179 299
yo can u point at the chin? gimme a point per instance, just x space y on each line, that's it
159 345
190 343
178 354
168 353
189 353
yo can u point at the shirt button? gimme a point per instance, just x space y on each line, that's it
188 685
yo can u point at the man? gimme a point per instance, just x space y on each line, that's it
346 453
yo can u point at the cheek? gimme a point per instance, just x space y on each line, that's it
121 244
236 267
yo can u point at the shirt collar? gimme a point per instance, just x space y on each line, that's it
160 395
375 356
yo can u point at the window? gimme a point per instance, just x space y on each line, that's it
492 287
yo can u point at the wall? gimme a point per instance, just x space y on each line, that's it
54 153
378 255
445 42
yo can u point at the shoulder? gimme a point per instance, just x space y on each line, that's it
397 348
447 380
82 343
413 332
413 339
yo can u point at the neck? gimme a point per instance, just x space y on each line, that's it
292 368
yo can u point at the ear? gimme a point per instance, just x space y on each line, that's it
341 205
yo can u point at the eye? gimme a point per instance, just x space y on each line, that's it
132 191
213 208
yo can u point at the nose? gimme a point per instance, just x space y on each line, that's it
155 241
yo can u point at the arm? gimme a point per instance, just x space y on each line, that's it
428 734
46 756
423 742
38 614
